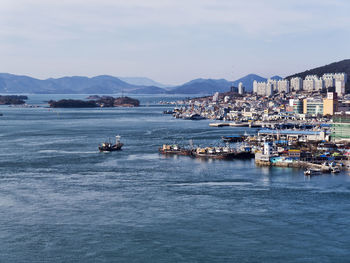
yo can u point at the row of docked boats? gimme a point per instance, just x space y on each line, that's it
326 168
208 152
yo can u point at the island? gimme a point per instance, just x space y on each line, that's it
12 99
72 104
95 101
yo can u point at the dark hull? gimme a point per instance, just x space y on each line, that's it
112 148
233 139
226 156
222 156
244 155
176 152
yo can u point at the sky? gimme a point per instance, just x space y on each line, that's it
171 41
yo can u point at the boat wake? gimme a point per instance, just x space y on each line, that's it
214 184
67 152
148 156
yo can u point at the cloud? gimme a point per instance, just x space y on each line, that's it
140 35
67 19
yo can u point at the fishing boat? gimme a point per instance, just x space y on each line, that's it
214 153
109 147
174 149
311 172
233 138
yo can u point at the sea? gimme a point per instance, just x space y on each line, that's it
61 200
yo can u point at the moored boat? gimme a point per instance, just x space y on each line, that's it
311 172
174 149
214 153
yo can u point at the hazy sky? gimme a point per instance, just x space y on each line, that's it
171 41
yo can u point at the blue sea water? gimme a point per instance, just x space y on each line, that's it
63 201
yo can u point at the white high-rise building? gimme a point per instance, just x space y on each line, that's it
319 84
261 88
309 83
269 89
273 83
329 80
216 97
283 86
240 88
255 86
340 87
341 76
296 84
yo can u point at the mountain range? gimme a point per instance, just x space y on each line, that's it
142 81
105 84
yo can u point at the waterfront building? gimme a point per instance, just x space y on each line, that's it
330 104
283 86
296 84
313 106
291 135
341 128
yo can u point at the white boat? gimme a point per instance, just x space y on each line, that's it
310 172
335 169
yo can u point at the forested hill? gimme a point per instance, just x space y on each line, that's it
336 67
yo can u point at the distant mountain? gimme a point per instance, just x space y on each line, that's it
103 84
336 67
202 86
149 90
276 77
142 81
248 81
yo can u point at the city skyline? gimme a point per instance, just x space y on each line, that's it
171 42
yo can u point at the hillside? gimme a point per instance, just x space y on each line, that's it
336 67
142 81
202 86
248 81
103 84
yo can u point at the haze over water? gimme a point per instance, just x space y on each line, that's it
62 201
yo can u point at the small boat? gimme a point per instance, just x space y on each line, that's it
214 153
194 117
311 172
174 149
335 169
109 147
